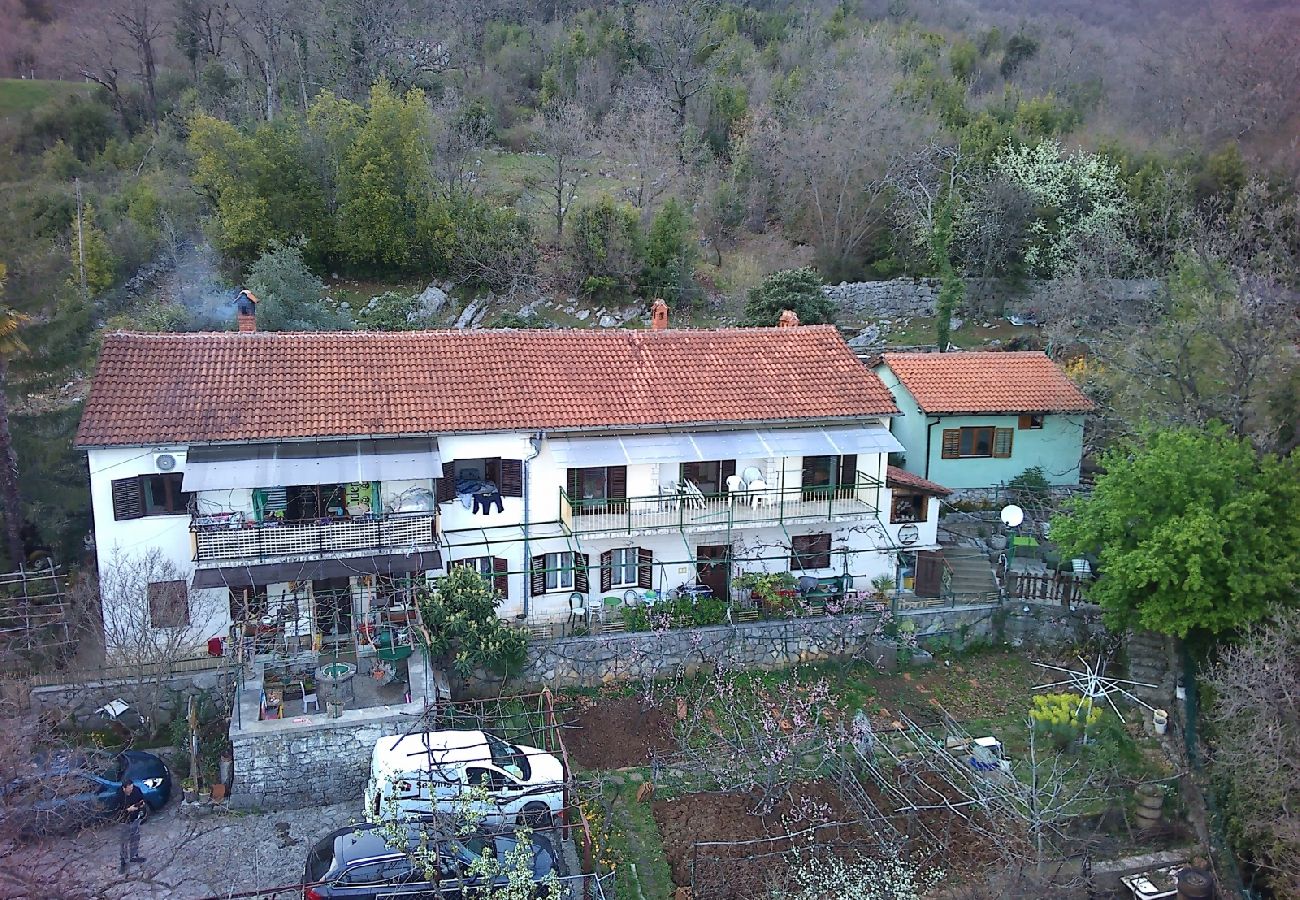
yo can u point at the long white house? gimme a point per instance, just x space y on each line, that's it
310 479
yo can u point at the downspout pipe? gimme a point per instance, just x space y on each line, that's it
536 441
929 444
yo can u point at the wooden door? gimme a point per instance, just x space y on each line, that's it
713 567
929 573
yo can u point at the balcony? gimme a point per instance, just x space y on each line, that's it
692 510
216 538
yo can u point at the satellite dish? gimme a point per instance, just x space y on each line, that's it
1012 515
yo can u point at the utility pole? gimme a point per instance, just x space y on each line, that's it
81 244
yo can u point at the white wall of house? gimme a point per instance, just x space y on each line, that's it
121 543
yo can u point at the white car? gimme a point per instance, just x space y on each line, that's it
469 773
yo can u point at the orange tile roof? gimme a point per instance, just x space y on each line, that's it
896 477
180 388
987 382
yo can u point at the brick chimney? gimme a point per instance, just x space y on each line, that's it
788 319
246 311
658 315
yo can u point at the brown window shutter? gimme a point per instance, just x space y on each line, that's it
537 577
1002 438
512 478
169 605
951 443
581 584
606 570
128 500
808 470
446 486
810 551
645 560
500 581
726 468
616 482
1026 421
573 485
848 470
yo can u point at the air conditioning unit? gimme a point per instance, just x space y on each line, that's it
168 462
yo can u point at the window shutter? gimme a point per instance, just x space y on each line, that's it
573 487
645 560
848 470
512 478
606 570
446 486
726 468
1002 438
808 471
537 577
128 501
1026 421
810 551
951 443
581 584
500 581
616 482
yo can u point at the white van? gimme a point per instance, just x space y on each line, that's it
432 772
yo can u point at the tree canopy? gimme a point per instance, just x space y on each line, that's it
1194 532
796 289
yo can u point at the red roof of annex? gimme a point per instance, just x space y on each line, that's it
987 382
154 389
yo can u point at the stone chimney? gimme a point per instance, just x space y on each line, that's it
658 315
788 319
246 311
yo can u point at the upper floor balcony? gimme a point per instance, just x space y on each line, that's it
686 507
234 536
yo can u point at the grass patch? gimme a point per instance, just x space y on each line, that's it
20 95
628 841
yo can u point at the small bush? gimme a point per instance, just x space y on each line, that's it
1063 717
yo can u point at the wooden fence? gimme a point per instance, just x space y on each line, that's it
1062 589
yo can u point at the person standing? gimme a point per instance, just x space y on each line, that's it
133 814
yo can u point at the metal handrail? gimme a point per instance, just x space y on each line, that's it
263 540
686 509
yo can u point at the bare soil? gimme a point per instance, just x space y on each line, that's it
614 732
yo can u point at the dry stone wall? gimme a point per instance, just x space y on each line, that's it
916 297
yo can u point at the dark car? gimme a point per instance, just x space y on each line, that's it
358 863
65 791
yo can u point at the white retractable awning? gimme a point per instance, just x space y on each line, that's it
224 467
701 446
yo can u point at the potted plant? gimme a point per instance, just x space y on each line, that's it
881 585
189 791
205 793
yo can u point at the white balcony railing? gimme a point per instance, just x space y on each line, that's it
709 511
262 541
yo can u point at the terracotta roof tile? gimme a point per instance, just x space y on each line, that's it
987 382
896 477
180 388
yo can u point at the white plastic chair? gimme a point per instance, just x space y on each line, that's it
758 492
735 485
307 698
752 474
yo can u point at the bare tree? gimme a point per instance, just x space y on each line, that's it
1256 714
639 131
151 620
458 136
561 139
680 37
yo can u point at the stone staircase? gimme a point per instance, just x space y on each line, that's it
972 573
1148 661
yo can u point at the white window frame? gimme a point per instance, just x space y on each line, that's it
480 564
624 574
559 571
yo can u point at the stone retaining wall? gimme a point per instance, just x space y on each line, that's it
916 297
305 760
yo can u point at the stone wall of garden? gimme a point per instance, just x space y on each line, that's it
781 643
916 297
305 760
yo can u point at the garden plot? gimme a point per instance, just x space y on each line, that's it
747 774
